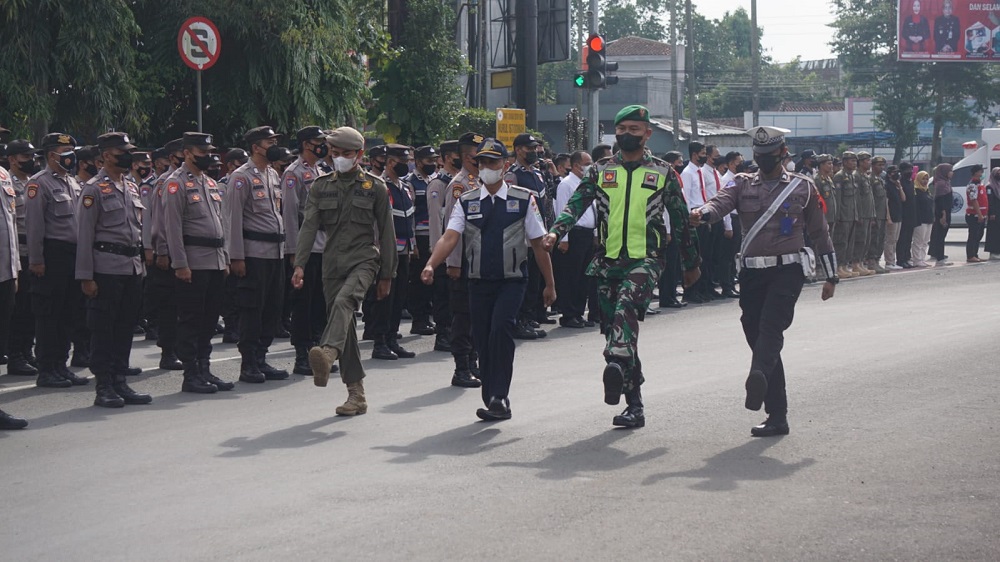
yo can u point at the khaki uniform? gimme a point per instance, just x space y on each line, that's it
463 182
10 264
877 233
353 209
866 215
845 189
826 189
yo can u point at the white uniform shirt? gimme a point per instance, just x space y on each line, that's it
533 225
567 187
713 184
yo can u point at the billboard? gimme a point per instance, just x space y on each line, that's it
948 30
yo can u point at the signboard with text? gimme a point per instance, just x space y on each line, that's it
510 123
948 30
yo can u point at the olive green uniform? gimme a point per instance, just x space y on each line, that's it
866 215
826 190
845 187
877 233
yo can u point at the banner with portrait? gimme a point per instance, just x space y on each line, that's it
948 30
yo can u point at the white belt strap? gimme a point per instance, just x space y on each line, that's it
764 262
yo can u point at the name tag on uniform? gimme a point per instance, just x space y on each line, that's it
785 226
476 216
513 206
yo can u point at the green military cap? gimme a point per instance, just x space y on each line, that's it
848 155
878 160
347 138
864 156
824 158
632 113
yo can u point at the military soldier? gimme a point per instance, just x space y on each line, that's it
772 275
10 266
109 266
21 159
194 225
420 296
308 308
499 222
881 200
256 248
437 196
56 299
353 208
524 174
845 188
866 214
635 192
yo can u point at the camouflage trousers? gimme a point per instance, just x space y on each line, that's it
624 291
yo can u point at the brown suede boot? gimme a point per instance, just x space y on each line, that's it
355 404
321 359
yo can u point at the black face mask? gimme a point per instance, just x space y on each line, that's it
275 153
628 143
428 169
203 163
176 161
214 173
123 160
702 160
457 163
531 157
400 169
143 172
378 165
767 162
68 162
321 150
28 167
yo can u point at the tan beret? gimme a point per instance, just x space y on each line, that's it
347 138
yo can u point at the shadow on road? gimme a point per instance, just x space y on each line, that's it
590 455
460 441
295 437
435 397
726 470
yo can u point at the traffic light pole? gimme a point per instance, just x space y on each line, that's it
594 113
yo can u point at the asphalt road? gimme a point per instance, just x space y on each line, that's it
892 455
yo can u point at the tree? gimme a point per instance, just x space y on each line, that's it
642 18
416 85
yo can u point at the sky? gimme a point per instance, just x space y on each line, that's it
791 27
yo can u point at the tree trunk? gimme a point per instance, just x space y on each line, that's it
897 155
938 123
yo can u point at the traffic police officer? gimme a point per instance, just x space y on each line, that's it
498 223
845 187
634 193
772 274
524 174
352 206
308 308
256 248
866 214
110 267
21 159
56 299
10 266
421 296
437 196
194 224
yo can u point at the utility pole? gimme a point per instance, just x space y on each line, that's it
473 47
692 81
594 121
755 62
675 110
527 59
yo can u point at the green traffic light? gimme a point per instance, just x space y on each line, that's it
580 80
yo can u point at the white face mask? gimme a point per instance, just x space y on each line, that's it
790 166
342 164
490 177
585 171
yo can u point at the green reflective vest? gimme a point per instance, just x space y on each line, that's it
633 211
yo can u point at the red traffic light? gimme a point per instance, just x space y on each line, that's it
596 44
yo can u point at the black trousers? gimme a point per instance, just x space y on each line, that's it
905 242
571 281
942 205
22 320
385 314
727 262
260 297
230 311
57 300
719 250
287 303
461 323
993 226
111 318
493 306
532 307
767 298
419 296
7 305
706 246
199 304
671 276
442 301
161 305
976 231
309 304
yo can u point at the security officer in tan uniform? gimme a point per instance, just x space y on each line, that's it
110 266
353 208
194 222
21 160
866 214
10 267
437 195
256 251
845 188
771 275
50 216
877 233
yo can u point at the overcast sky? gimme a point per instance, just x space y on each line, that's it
791 27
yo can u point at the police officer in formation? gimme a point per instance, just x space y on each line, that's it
21 161
10 267
845 188
160 300
437 196
524 174
787 207
866 214
421 297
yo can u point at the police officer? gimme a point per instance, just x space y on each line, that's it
877 234
845 188
21 160
88 163
308 308
352 206
772 275
109 266
377 160
10 266
231 161
256 248
194 225
633 191
437 196
498 222
420 296
524 174
866 214
56 299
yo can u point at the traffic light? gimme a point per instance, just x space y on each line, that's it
580 80
598 66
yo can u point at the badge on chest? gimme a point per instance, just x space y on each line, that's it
513 206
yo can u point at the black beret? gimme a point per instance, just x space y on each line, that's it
53 140
20 146
258 134
114 140
471 139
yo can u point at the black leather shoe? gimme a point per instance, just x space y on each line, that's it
465 379
207 376
107 397
589 323
400 352
19 366
422 329
8 421
152 334
694 299
272 373
571 323
80 359
712 296
72 377
133 372
170 362
546 320
673 304
301 366
441 343
499 410
138 330
731 294
50 378
652 311
756 386
249 372
382 351
770 428
633 417
524 332
614 379
130 396
230 337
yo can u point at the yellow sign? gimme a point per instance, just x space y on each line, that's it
502 79
510 123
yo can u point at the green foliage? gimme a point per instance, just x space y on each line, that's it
642 18
472 119
416 85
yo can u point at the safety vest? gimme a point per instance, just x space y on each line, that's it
634 209
494 238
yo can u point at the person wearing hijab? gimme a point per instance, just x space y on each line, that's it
925 220
942 212
992 224
909 222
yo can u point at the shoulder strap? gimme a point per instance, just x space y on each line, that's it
757 226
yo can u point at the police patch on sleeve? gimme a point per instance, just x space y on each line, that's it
240 183
290 183
32 190
457 192
172 187
88 201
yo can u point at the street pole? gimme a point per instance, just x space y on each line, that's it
692 81
594 120
527 59
675 110
198 89
755 62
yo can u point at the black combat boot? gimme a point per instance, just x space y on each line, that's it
169 361
774 425
614 378
302 360
382 351
633 415
130 396
106 395
442 341
19 365
207 376
72 377
81 357
474 365
8 421
393 344
463 377
193 381
250 371
49 377
270 373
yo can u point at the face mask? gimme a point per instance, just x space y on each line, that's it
428 169
176 161
123 160
203 163
343 165
143 172
400 169
457 163
790 166
489 176
28 167
214 173
531 157
275 153
702 160
628 143
91 169
767 162
321 150
67 160
585 171
378 165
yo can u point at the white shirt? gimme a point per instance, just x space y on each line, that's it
712 186
567 187
726 178
533 226
693 182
